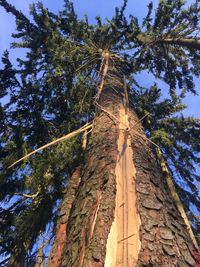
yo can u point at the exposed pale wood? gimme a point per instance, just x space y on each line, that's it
176 198
104 67
123 244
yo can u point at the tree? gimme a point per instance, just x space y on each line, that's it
74 73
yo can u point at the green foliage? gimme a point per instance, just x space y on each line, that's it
174 64
51 93
160 136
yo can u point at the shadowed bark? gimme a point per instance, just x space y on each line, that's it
93 209
60 235
163 234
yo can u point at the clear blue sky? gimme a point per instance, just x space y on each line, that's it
104 8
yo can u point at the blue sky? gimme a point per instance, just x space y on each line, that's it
104 8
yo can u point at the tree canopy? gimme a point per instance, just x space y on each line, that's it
52 92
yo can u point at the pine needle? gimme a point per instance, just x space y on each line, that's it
65 137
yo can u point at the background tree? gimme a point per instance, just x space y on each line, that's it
74 72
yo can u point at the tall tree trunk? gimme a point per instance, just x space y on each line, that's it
187 42
122 214
60 234
65 207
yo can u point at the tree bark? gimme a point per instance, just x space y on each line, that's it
192 43
60 234
93 209
163 233
122 214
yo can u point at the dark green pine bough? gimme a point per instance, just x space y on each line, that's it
122 158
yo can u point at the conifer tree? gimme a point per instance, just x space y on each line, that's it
122 211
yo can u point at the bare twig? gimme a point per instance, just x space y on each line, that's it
105 58
65 137
132 125
28 196
126 238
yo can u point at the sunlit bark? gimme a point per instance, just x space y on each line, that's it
123 215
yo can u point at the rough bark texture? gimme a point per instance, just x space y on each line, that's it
92 212
60 236
163 233
175 196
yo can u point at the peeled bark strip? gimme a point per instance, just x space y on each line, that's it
175 197
93 209
164 236
123 243
60 236
108 211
